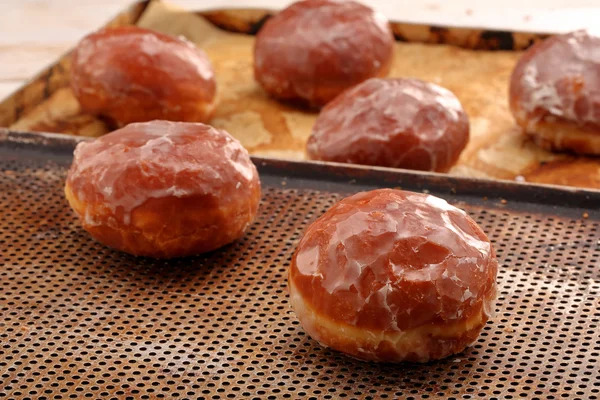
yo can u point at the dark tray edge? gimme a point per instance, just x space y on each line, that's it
364 175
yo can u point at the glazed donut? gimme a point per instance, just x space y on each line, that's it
393 276
164 189
131 74
555 93
397 123
314 49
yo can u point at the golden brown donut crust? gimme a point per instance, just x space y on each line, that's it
555 93
421 344
164 189
130 74
397 123
404 276
314 49
561 135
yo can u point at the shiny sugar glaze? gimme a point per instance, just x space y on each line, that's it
558 79
399 123
124 169
131 74
313 50
393 260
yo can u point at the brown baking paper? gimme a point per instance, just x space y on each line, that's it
497 148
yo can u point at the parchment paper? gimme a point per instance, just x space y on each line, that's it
497 149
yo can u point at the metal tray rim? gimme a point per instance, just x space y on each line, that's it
320 170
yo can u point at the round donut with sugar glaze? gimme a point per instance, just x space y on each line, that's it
164 189
314 49
130 74
397 123
555 93
390 275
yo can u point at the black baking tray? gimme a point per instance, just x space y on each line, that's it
80 320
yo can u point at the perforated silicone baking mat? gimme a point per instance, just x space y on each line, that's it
79 320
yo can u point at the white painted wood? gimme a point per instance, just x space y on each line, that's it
7 87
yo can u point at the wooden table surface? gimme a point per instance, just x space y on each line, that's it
34 33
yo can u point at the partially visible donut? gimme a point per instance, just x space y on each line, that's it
130 74
313 50
394 276
555 93
164 189
397 123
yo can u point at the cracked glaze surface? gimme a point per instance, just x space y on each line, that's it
131 74
313 50
399 123
160 159
389 260
558 80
